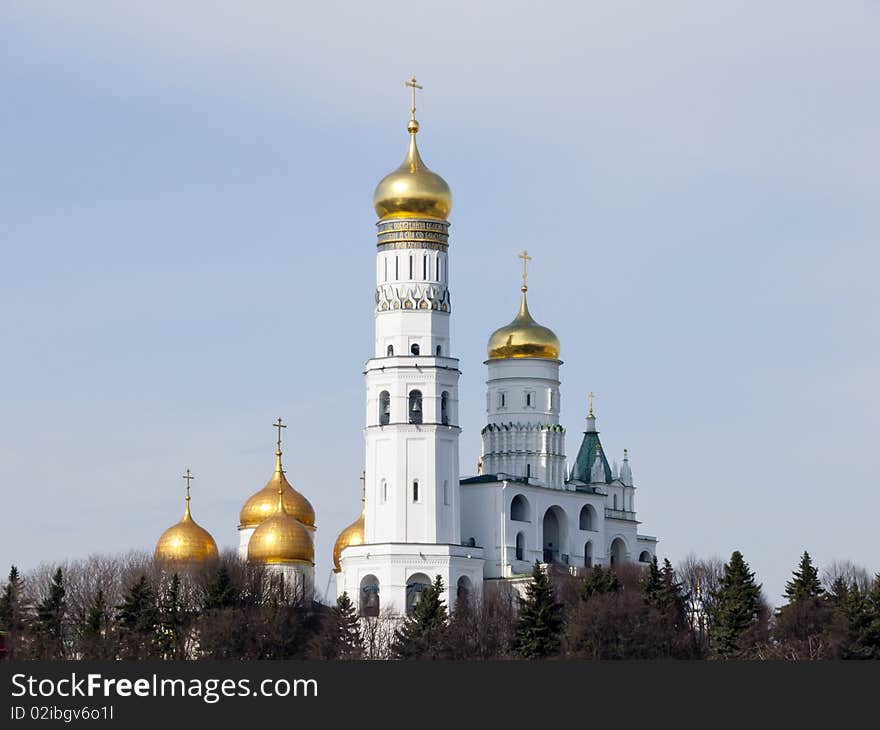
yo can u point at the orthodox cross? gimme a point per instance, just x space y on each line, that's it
413 85
279 426
591 395
525 259
189 477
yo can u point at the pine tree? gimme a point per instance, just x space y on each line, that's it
599 582
349 641
652 584
48 627
805 583
13 612
171 621
540 623
221 591
737 606
421 635
96 627
138 618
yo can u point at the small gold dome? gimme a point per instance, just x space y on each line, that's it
186 542
351 535
412 190
281 539
523 338
264 503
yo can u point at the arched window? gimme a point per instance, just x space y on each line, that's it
384 490
439 351
415 490
415 586
645 557
444 408
502 400
615 501
528 471
414 349
618 551
465 590
384 408
587 520
528 399
369 598
519 509
390 351
588 555
415 406
520 546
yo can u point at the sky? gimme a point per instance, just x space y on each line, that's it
187 242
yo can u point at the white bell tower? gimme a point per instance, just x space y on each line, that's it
411 505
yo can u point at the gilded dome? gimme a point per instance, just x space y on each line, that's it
186 542
351 535
281 539
412 190
264 503
523 338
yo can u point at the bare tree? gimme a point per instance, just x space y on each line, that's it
700 579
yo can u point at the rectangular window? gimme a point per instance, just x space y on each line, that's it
396 268
415 490
425 267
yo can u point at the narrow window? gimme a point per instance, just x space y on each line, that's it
615 501
425 267
439 351
528 470
520 546
415 348
396 268
384 408
384 490
390 351
415 406
503 399
410 267
528 399
386 268
444 408
439 269
415 490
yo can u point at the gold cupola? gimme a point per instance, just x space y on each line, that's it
186 542
523 337
263 504
351 535
412 190
281 539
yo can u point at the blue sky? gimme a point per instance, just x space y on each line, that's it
187 242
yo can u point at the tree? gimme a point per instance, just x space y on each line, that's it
94 639
221 592
138 617
340 637
737 608
421 635
805 583
13 612
170 627
652 583
802 625
600 581
540 623
48 627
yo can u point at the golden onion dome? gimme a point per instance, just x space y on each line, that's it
523 337
186 542
351 535
281 539
412 190
263 504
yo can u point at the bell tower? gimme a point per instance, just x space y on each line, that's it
411 500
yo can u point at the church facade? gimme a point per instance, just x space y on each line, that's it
419 519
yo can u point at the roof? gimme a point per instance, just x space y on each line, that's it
583 464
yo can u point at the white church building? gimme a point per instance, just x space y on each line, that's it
419 518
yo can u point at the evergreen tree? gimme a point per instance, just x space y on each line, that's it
652 584
138 617
171 621
540 623
13 612
421 635
94 639
221 591
737 604
805 583
343 639
48 628
599 582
